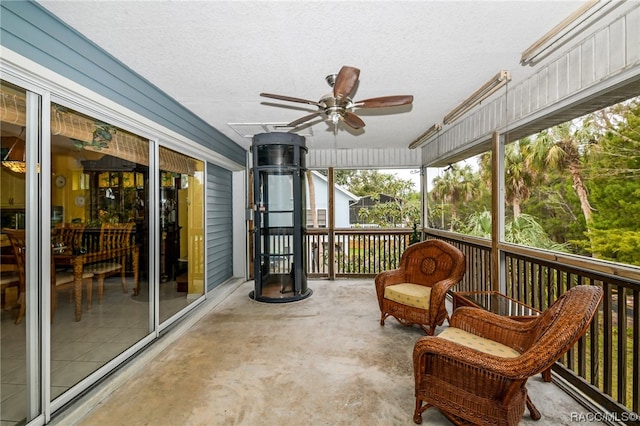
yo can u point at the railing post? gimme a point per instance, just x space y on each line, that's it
332 225
498 267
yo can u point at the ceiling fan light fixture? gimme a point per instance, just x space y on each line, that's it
489 88
334 116
337 106
331 79
15 160
430 132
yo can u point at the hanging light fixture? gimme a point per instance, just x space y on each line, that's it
15 160
489 88
431 131
576 23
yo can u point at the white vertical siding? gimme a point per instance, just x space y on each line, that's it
601 69
362 158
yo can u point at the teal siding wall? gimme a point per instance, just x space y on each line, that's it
219 225
33 32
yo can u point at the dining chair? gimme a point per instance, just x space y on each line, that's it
60 280
68 236
18 245
9 279
112 236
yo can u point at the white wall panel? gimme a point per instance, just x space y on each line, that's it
601 55
586 63
363 158
617 55
632 32
563 87
552 82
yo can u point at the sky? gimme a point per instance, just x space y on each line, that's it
406 174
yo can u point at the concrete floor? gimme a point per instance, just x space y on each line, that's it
324 360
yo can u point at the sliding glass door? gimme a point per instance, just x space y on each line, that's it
181 249
81 282
100 237
20 361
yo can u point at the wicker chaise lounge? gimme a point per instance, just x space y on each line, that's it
476 370
415 292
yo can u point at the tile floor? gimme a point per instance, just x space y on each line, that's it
78 348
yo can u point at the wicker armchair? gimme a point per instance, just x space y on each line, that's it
474 386
415 292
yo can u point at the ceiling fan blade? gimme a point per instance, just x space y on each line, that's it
345 81
352 120
301 120
290 99
385 101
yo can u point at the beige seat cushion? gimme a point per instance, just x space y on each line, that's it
103 268
417 296
479 343
9 278
65 277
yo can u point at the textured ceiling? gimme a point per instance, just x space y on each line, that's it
215 57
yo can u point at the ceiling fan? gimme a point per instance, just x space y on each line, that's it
337 106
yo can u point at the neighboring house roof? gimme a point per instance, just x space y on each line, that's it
371 200
338 187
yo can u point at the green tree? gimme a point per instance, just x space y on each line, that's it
615 186
519 174
523 230
404 210
374 182
556 207
458 184
563 148
399 212
342 177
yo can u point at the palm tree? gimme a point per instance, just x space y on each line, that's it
456 185
562 148
523 230
519 174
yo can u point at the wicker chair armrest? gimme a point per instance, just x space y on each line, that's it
501 329
391 277
467 360
439 293
387 278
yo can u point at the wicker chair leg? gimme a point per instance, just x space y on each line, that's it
122 276
23 305
383 317
100 287
427 329
535 414
417 414
89 282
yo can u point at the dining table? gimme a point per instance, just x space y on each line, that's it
77 262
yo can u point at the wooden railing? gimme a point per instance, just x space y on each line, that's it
356 252
604 365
